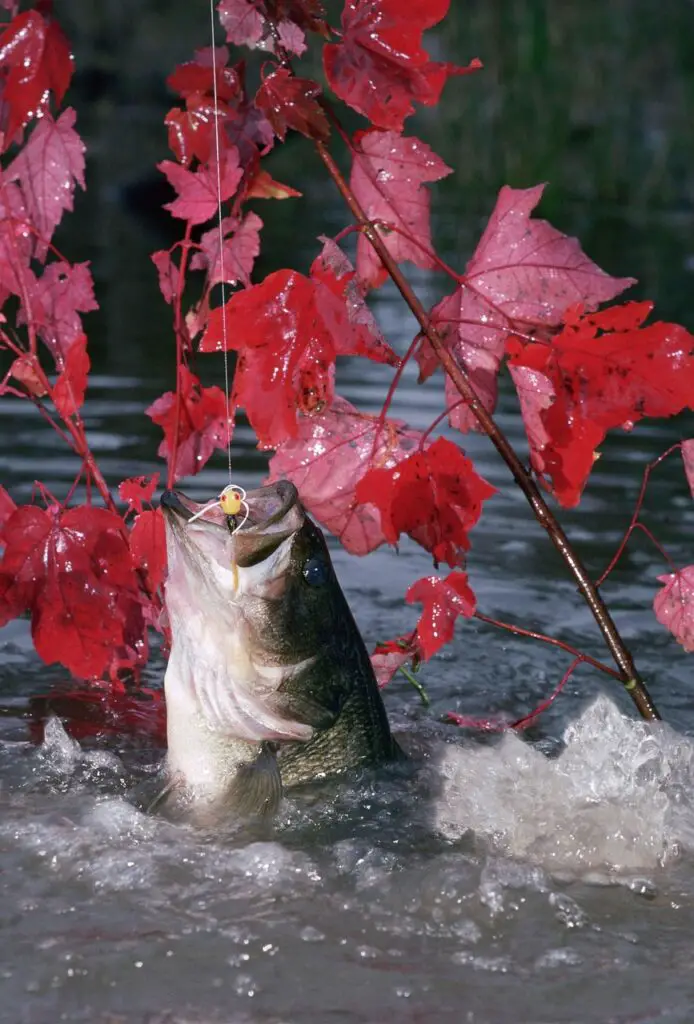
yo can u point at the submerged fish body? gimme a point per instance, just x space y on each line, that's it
269 684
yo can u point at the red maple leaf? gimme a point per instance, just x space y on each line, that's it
329 456
444 601
73 572
136 490
290 102
434 495
148 547
388 177
201 191
203 423
601 371
524 274
37 57
288 330
390 656
7 507
688 460
57 298
68 393
47 168
233 260
380 67
674 605
196 77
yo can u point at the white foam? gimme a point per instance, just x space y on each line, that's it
615 802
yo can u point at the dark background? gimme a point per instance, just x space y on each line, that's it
594 98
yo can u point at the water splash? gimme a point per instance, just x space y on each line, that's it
615 802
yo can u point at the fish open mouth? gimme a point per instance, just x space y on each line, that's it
274 513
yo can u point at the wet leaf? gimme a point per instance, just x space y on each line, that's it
233 260
290 102
434 495
167 272
674 605
389 657
202 423
25 370
198 191
136 490
329 456
288 331
380 67
47 168
37 59
57 298
148 547
72 571
389 173
7 507
601 371
444 600
524 275
68 393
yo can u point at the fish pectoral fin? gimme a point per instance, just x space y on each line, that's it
301 708
256 788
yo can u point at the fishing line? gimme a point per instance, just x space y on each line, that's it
221 237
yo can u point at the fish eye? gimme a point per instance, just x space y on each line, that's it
315 571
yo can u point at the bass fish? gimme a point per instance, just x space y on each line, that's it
269 684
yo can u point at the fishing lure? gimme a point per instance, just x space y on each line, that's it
232 500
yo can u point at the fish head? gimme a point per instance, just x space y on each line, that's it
269 567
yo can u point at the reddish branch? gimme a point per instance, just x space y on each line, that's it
621 654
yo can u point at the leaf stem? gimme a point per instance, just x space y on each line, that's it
553 641
412 679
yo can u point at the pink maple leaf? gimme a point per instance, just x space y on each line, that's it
47 168
242 22
674 605
390 656
329 456
389 173
201 191
688 460
524 274
61 293
168 273
245 25
233 261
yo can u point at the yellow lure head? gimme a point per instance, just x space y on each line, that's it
231 500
